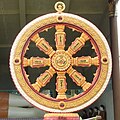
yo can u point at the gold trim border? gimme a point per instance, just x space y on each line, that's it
47 115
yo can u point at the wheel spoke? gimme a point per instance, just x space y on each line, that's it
60 37
43 79
78 44
61 85
78 78
36 62
43 45
85 61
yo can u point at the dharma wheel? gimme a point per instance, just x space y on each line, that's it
62 60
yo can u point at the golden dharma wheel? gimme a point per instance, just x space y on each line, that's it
61 60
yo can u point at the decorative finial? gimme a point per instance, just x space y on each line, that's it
59 7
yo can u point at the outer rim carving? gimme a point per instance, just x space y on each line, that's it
53 106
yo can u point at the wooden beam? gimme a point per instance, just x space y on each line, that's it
115 58
22 13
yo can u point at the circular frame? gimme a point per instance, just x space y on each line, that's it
51 105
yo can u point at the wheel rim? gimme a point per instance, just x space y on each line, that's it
91 93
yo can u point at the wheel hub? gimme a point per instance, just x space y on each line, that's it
61 61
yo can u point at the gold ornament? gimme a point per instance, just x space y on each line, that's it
61 61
